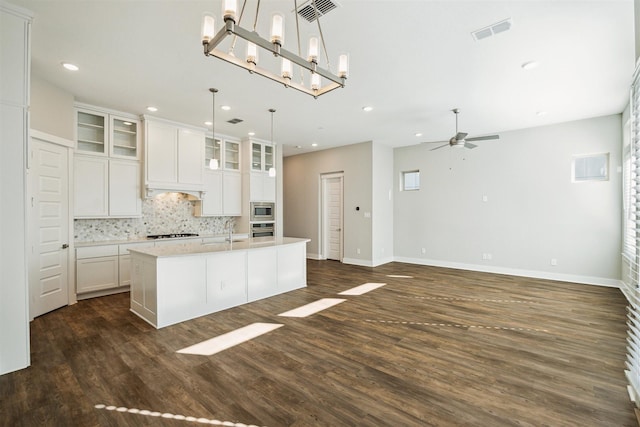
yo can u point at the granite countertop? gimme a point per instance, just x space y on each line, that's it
186 249
145 240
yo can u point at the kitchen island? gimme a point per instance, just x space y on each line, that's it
174 283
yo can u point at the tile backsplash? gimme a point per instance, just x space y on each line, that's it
163 214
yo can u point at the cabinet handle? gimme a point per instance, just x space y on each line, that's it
65 246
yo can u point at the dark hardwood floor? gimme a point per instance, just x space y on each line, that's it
443 348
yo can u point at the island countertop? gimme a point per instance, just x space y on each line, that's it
188 249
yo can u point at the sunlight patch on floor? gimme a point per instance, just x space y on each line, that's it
399 276
312 308
362 289
230 339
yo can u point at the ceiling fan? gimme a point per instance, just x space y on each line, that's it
460 139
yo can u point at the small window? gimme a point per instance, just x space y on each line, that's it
592 167
410 181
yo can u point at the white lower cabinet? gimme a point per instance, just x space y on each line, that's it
96 268
262 273
226 279
124 261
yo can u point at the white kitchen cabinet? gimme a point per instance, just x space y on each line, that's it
222 196
261 156
226 280
174 156
96 268
91 187
106 188
262 187
100 132
231 155
124 261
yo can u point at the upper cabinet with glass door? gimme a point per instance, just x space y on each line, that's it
101 133
212 153
231 155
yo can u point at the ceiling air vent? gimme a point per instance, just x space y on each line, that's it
308 12
492 29
234 121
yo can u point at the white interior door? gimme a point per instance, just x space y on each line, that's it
332 217
49 218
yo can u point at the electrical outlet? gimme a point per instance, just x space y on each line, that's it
358 251
554 261
424 251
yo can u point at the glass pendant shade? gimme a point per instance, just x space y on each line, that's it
286 70
252 53
315 81
343 66
312 53
272 172
229 9
208 27
213 164
277 28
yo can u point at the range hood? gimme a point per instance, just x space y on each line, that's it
152 191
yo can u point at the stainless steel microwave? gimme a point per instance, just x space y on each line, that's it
263 211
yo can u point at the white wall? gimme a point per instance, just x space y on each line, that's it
52 109
382 212
533 212
301 197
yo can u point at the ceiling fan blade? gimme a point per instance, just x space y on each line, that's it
437 148
460 135
483 138
469 145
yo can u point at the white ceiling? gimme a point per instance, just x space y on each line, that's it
412 61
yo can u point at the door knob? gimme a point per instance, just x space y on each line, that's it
65 246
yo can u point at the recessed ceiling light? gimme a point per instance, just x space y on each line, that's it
418 134
251 133
314 145
367 109
226 108
69 66
152 109
530 65
208 123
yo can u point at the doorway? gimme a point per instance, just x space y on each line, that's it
332 223
48 205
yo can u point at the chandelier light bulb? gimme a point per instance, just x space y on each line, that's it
343 66
252 53
315 81
286 70
312 53
229 9
277 28
208 27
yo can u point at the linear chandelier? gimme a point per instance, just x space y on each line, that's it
211 40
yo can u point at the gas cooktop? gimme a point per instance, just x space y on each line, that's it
170 236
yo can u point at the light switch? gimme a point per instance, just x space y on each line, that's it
367 214
485 198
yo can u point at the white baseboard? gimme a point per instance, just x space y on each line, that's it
360 262
573 278
314 256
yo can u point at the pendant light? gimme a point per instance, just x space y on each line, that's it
272 169
213 162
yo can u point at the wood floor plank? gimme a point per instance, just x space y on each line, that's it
440 347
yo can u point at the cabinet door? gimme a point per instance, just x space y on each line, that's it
94 274
125 137
212 152
211 205
227 279
124 188
91 187
269 188
262 187
232 194
161 153
190 157
231 155
256 156
91 132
